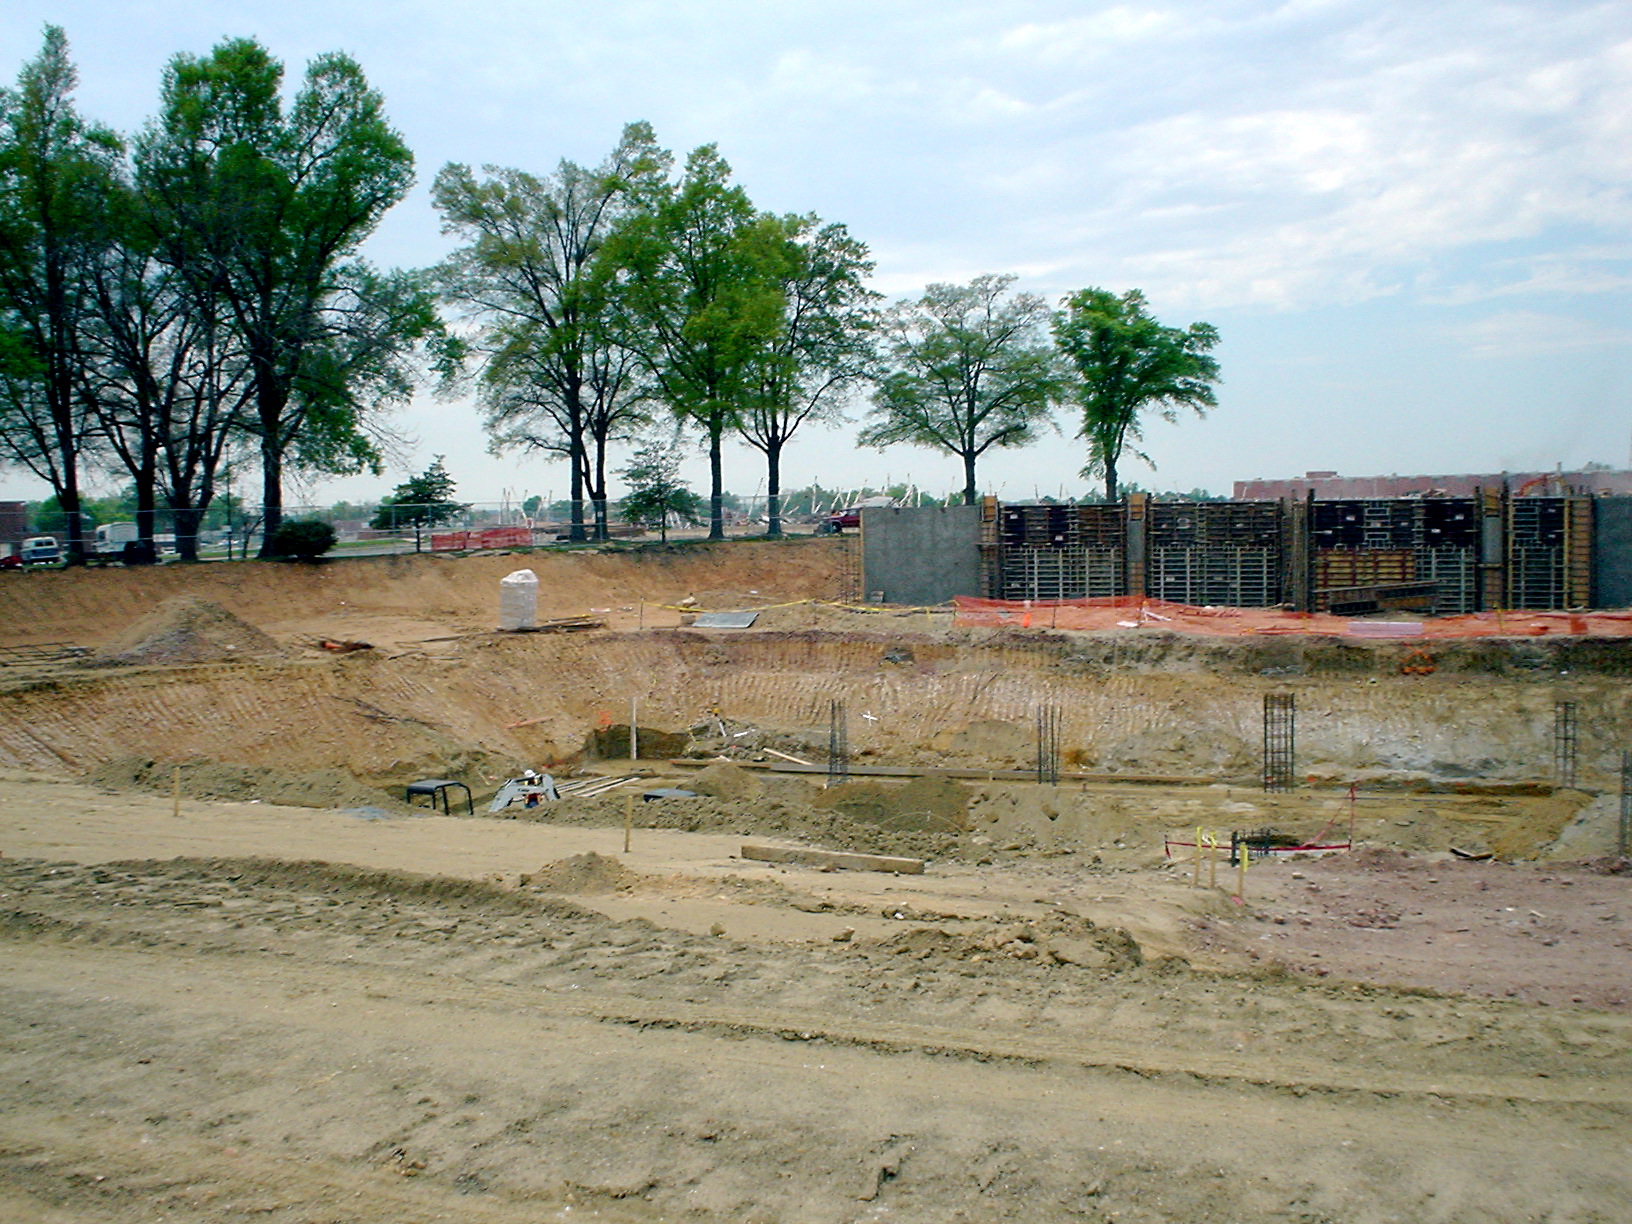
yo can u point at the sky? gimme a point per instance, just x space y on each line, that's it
1409 221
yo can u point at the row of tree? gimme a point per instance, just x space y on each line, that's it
193 295
192 298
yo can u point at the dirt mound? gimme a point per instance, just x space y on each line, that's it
323 788
583 873
187 629
724 781
926 804
1057 939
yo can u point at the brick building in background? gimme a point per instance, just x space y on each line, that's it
1329 486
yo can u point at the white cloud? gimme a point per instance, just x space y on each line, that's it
1526 333
1091 35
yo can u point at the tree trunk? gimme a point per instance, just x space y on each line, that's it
575 459
716 481
187 520
773 489
1110 478
271 495
969 497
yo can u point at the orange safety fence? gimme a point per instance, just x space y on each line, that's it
491 537
1134 612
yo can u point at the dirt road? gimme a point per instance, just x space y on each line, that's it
257 1035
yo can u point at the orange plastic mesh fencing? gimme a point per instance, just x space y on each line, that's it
1133 612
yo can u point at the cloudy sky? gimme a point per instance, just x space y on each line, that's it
1410 220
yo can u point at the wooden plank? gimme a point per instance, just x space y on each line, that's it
786 756
833 859
942 771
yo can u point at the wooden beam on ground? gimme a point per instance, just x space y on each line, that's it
833 859
943 771
788 756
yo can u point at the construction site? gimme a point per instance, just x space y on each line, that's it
1226 862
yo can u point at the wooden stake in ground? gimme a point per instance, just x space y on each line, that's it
175 791
628 817
634 744
1195 881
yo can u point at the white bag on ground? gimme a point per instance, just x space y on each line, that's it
518 600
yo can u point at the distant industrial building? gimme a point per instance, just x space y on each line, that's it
1329 486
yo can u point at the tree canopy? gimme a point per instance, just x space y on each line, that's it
553 375
821 350
965 368
1125 363
264 208
701 299
57 179
421 501
656 495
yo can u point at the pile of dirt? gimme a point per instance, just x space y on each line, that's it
583 873
187 629
923 805
1054 939
726 781
201 779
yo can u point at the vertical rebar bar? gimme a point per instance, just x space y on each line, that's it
1624 841
1564 743
1048 744
838 743
1280 718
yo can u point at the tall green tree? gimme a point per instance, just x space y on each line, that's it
1124 363
965 368
57 174
701 299
265 207
821 350
420 502
553 377
165 379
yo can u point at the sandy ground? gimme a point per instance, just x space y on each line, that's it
219 1011
290 1023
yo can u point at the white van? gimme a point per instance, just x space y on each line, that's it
41 550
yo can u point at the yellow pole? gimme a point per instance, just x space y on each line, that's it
628 817
175 791
1212 859
1242 855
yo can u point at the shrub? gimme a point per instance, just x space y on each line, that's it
302 539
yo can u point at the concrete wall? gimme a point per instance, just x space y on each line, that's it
922 556
1612 552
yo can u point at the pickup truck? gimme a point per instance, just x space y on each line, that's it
850 517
